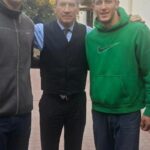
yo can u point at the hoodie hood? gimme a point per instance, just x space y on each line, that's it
124 18
11 13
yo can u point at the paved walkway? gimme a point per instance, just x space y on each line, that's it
88 135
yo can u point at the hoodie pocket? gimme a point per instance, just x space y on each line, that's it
109 90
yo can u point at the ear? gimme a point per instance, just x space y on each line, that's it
54 9
117 4
92 6
77 9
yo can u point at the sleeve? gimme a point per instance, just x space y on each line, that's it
35 58
38 36
143 57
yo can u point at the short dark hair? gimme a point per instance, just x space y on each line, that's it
95 0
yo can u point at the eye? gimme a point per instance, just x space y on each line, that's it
100 2
71 5
62 4
108 1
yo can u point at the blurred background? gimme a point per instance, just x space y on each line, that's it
42 10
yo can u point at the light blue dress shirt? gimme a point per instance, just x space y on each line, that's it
69 34
39 34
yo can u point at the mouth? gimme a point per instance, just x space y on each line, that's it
67 17
104 14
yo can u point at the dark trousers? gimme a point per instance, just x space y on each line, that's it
15 132
116 132
56 113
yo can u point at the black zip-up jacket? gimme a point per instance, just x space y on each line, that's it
16 37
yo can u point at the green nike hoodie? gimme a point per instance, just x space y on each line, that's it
119 63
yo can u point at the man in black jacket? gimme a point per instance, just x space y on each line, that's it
63 74
16 36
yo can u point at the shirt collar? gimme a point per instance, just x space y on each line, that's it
62 27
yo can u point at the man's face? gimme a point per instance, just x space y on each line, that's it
13 4
66 11
106 11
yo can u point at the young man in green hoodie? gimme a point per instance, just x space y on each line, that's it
118 53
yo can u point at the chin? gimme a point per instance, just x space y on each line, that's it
104 20
68 22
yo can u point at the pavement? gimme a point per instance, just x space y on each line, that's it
88 143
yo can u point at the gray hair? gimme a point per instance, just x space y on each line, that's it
78 1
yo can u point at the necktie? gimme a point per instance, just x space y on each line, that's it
66 31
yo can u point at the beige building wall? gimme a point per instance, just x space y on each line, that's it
140 7
82 17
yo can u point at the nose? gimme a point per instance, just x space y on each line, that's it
66 8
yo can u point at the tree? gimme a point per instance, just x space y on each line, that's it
42 10
39 10
86 2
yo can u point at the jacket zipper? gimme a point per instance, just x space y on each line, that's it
17 71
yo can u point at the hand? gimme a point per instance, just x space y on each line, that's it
136 18
145 123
